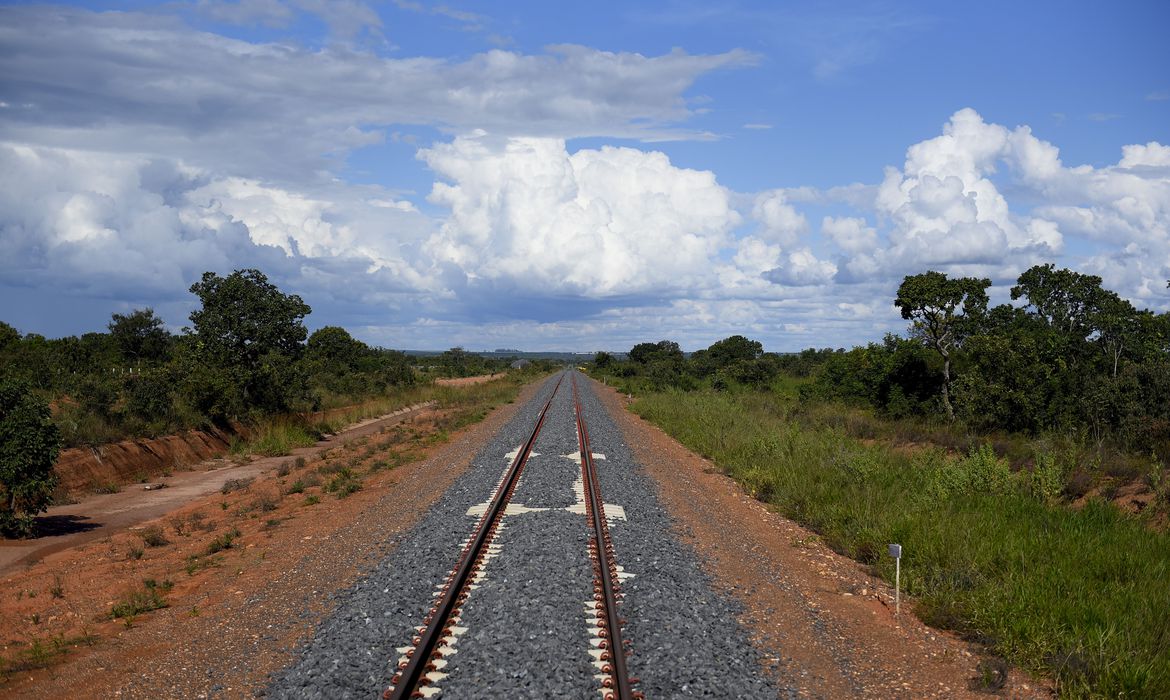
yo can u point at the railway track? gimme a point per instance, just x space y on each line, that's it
509 586
421 668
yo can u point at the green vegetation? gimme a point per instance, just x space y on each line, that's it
41 653
246 359
1061 591
988 442
136 602
29 443
225 541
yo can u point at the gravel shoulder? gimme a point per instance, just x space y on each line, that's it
824 627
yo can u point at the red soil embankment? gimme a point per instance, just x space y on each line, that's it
83 469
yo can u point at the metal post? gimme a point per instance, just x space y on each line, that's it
896 552
898 586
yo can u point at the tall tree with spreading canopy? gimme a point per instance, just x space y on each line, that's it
943 312
140 335
29 443
250 334
1065 300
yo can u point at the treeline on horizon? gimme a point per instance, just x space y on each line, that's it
247 354
1072 357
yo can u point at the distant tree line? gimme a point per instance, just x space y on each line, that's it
1070 356
246 354
1074 357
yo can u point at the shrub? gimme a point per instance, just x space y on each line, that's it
29 444
980 472
153 537
1047 479
224 541
236 485
137 602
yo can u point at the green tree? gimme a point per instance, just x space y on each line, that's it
9 336
1065 300
140 336
335 346
944 312
602 360
29 444
663 350
254 333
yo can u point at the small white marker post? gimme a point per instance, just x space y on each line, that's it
896 553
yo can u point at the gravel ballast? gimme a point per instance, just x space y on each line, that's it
526 632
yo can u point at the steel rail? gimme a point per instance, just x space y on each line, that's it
606 588
410 676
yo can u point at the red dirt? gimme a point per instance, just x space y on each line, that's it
236 615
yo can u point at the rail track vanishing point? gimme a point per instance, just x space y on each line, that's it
423 661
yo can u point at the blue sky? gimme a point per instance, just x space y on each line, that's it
576 176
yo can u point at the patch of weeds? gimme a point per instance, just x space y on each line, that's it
134 603
153 536
265 503
165 586
224 541
108 487
136 552
349 487
284 469
199 521
991 675
300 463
312 499
271 523
194 611
236 485
379 465
179 525
57 590
196 563
41 653
330 468
343 483
297 486
223 505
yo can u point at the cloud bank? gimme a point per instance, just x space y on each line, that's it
137 152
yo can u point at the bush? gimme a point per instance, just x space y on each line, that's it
980 472
29 444
137 602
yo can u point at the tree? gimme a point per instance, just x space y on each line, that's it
602 360
335 349
253 333
1063 299
29 444
944 312
9 336
726 351
140 335
663 350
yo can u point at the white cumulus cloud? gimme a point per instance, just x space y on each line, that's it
525 214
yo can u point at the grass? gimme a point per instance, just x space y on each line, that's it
136 602
222 542
1067 593
41 653
278 436
153 536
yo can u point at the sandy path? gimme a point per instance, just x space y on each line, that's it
100 515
